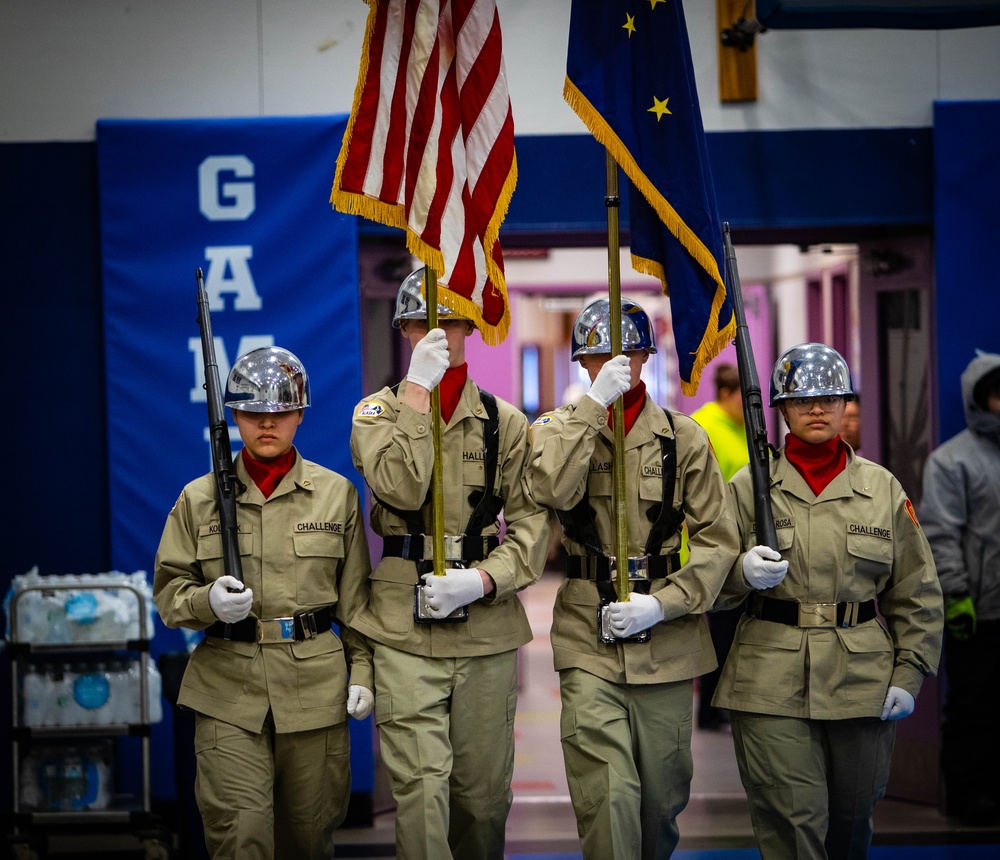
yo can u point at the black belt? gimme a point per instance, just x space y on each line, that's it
457 548
597 568
298 627
796 614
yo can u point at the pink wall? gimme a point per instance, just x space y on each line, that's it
495 367
760 327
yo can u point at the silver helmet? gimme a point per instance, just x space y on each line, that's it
592 329
410 304
810 370
268 379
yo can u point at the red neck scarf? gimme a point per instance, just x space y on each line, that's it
450 389
817 464
267 476
632 401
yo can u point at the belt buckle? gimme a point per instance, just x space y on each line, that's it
638 568
275 630
817 615
452 547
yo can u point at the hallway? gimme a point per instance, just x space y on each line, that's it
714 826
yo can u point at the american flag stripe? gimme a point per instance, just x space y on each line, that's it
429 147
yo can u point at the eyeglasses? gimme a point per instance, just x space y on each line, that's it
802 405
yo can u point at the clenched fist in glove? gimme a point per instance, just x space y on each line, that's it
639 613
227 605
429 360
763 567
612 381
458 587
359 701
898 704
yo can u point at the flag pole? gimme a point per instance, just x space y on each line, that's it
612 202
437 475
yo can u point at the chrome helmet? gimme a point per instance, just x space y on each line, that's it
592 329
410 304
810 370
268 379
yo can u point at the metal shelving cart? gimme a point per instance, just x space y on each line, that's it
125 819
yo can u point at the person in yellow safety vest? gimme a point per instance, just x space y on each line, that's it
722 419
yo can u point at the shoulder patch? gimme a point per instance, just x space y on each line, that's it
544 419
370 410
912 513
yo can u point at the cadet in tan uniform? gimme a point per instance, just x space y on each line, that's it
269 682
626 704
446 688
815 681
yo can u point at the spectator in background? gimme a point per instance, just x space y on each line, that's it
722 419
961 516
850 428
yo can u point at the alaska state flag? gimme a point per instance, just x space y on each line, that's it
629 78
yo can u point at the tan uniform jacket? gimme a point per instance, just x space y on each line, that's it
856 541
572 451
393 449
303 548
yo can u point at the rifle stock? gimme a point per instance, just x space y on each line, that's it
753 406
226 482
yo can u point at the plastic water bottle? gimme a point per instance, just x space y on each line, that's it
118 713
33 687
155 688
64 710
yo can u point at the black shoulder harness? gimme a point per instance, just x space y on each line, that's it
579 524
486 504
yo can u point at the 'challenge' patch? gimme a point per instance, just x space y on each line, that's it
370 410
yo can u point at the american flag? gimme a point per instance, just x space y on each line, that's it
429 146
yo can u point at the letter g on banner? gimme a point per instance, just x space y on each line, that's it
225 201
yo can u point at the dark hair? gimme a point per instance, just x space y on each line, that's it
988 384
727 378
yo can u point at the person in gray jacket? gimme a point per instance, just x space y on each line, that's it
961 516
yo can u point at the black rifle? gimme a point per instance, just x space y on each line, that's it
226 483
753 406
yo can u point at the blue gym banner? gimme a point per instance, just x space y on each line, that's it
247 201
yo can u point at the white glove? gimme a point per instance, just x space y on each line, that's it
228 606
763 567
640 613
429 360
359 701
898 704
458 587
612 381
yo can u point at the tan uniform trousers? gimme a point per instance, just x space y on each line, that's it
446 730
271 795
627 751
812 784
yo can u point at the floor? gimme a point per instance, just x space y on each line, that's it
714 826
